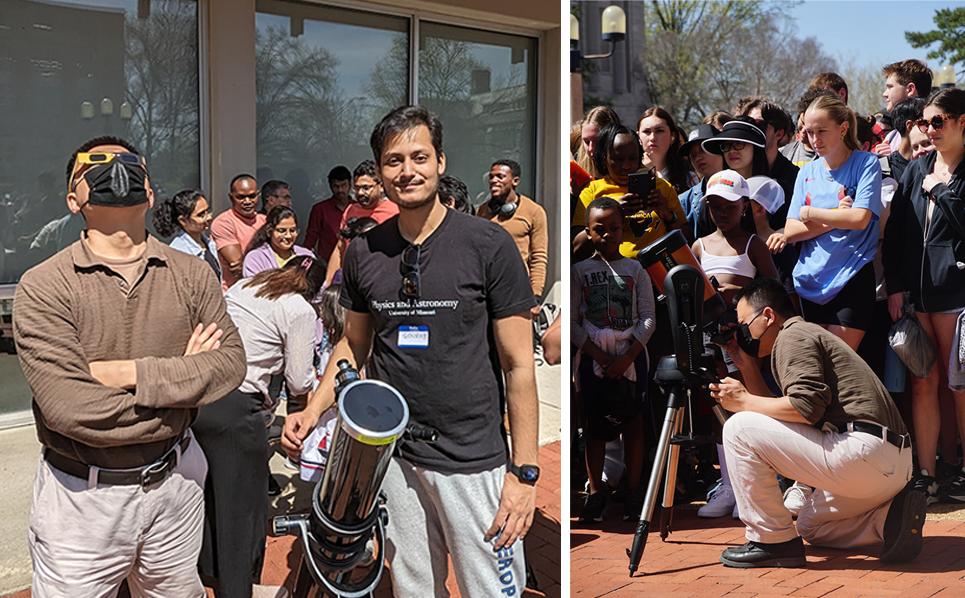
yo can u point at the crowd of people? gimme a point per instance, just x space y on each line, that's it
156 370
818 237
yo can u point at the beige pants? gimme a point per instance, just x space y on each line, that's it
855 476
84 540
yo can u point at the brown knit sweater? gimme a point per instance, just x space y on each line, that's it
74 309
528 228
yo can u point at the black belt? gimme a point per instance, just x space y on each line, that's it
901 442
143 477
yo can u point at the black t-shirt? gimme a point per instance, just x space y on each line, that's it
443 363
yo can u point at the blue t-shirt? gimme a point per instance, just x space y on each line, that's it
828 262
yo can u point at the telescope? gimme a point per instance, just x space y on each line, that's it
695 305
343 537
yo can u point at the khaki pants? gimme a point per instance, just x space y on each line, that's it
855 476
84 541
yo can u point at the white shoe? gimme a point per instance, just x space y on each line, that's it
736 514
795 497
260 591
720 504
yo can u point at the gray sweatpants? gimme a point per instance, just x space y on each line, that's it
432 515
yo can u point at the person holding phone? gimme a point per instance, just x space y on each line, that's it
619 154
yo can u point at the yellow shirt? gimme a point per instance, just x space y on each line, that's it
647 225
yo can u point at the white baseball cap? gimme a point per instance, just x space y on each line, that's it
765 191
727 184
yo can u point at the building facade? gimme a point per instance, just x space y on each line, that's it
208 89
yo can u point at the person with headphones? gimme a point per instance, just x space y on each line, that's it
523 219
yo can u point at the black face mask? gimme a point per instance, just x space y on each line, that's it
746 341
116 185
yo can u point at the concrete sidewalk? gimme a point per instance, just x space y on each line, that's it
21 450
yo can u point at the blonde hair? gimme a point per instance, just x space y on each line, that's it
600 116
576 140
839 113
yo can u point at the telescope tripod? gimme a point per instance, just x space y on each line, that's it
682 386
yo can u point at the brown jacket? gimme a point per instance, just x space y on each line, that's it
528 228
73 309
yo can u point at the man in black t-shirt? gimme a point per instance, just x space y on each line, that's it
441 300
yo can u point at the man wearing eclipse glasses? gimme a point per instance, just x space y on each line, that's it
121 339
441 299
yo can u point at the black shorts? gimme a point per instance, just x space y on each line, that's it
852 307
610 404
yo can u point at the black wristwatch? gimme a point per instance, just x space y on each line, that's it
526 473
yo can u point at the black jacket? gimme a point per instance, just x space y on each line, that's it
931 268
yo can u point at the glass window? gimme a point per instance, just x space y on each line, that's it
482 85
325 77
70 71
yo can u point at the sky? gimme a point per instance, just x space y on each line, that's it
869 32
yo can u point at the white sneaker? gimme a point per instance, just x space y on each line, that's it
260 591
795 497
736 514
720 504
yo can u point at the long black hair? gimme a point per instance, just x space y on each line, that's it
167 213
604 145
275 216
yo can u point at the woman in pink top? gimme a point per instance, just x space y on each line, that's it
274 244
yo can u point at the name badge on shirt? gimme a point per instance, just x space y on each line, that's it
413 337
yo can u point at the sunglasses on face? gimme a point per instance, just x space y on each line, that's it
95 158
735 145
937 122
409 268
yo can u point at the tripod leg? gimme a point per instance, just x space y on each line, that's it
670 482
663 448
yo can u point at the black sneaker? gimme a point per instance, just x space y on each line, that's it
758 554
945 471
928 486
906 516
634 504
274 488
956 488
593 507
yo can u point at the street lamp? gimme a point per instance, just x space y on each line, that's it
613 29
946 76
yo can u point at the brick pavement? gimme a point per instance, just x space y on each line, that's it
542 541
686 566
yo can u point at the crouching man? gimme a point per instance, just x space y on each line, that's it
835 429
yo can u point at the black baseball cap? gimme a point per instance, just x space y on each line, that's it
698 134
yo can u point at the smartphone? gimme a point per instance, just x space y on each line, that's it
579 176
642 183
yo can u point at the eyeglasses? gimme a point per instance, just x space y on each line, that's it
409 268
248 196
95 158
937 122
736 145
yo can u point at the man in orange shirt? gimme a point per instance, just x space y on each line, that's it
369 202
234 228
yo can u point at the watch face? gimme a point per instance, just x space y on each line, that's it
529 473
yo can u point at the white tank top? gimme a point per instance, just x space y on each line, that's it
738 265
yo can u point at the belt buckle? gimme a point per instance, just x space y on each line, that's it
154 473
